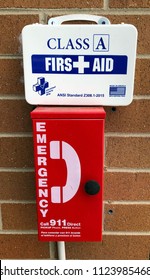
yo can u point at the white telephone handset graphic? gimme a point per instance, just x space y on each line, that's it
73 171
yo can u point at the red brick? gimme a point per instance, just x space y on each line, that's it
10 30
127 217
49 4
11 75
16 152
19 216
142 77
17 186
133 118
23 246
15 116
129 4
126 186
130 152
113 247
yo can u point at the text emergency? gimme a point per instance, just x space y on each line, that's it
42 179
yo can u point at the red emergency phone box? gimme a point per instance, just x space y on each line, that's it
69 162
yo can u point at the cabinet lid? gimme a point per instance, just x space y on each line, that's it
68 113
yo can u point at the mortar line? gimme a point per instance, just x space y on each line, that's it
13 97
18 232
18 11
143 56
126 202
1 222
11 56
17 202
106 5
127 170
16 169
127 134
141 97
128 233
42 18
55 11
101 11
16 134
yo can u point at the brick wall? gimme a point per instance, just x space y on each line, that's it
127 159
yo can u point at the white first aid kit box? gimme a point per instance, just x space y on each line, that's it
79 64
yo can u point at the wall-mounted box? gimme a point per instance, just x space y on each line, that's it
69 156
85 64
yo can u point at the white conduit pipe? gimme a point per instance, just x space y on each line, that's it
61 250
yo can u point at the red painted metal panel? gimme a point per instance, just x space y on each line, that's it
69 152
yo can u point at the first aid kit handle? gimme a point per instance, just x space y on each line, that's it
73 17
